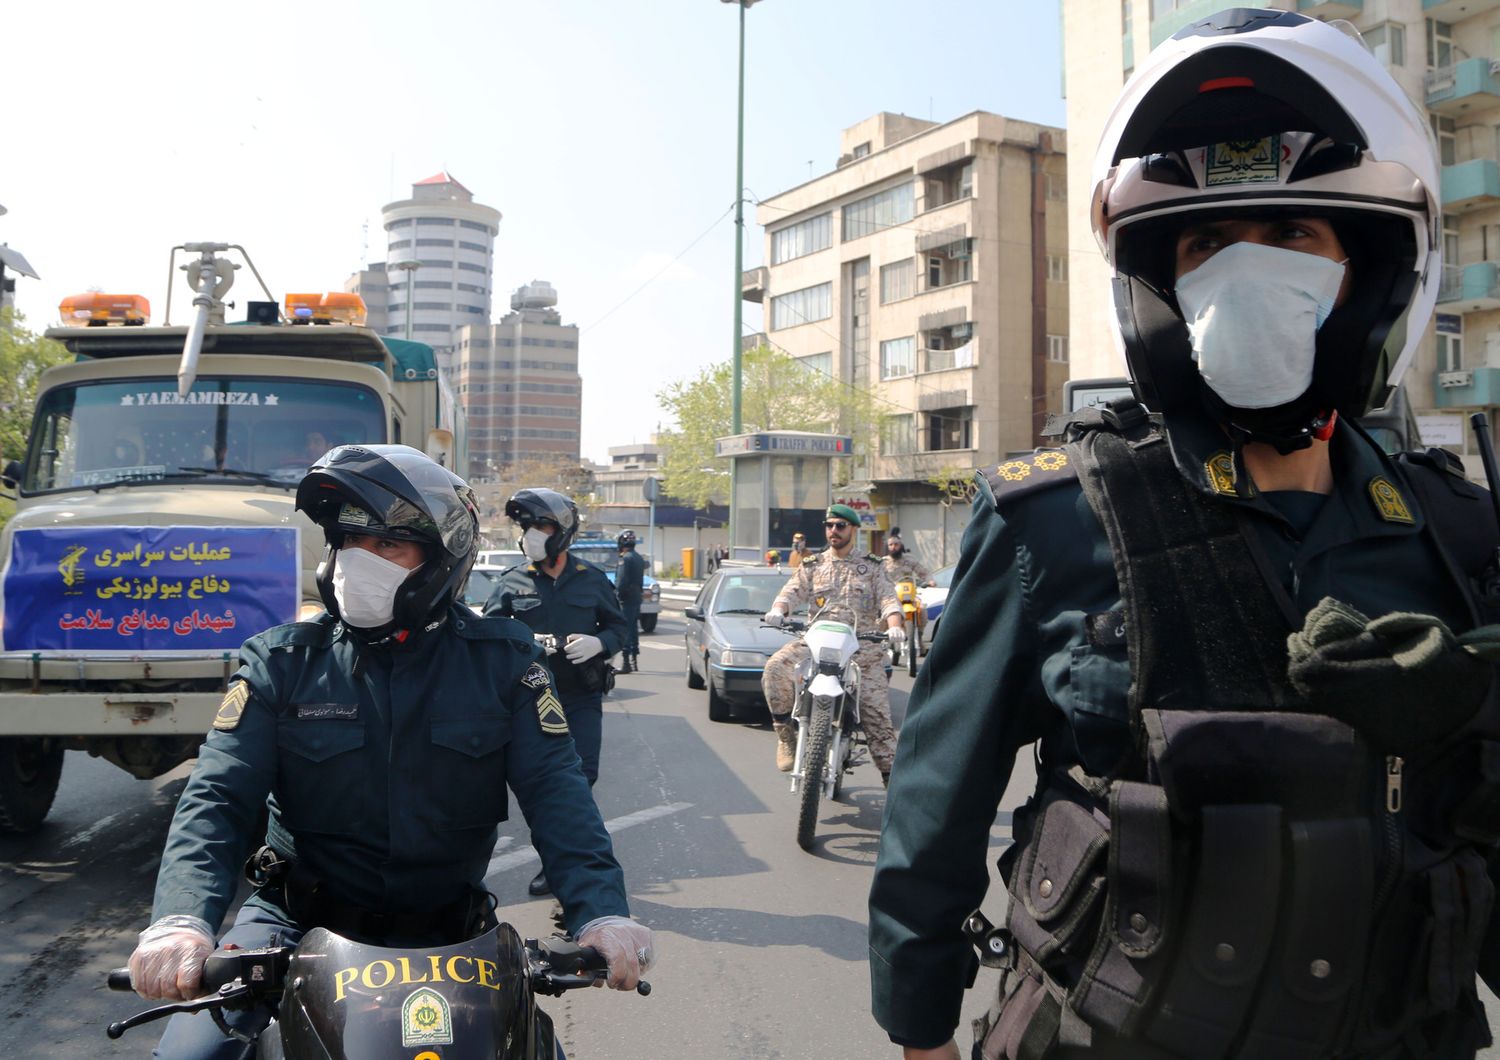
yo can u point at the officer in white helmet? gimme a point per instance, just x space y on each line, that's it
1253 650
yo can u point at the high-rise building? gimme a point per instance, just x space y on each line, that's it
930 267
519 385
441 243
1446 55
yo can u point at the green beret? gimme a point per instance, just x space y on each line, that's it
842 511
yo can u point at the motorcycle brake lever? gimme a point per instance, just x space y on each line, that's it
214 1002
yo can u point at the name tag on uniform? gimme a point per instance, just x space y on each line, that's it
327 711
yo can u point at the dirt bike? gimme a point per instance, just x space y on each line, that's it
827 715
914 616
336 999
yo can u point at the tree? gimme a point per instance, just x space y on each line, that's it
24 355
779 393
562 472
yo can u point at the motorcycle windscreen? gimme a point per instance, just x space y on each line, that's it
468 1001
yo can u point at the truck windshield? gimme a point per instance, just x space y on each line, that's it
231 429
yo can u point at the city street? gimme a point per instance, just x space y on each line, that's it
762 945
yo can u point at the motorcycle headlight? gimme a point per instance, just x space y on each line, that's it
749 659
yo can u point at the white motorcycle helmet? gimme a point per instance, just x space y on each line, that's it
1260 113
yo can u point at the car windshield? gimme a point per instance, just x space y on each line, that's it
480 586
944 576
744 594
91 435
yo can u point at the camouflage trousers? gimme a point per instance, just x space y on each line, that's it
779 684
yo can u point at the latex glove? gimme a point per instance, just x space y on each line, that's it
625 944
773 617
895 637
1402 680
582 647
167 964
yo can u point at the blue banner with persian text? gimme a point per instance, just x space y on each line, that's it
147 588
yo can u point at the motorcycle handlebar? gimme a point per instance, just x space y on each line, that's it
119 979
793 625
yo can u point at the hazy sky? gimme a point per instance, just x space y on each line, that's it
602 130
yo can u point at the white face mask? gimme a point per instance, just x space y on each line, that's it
534 544
1254 312
364 587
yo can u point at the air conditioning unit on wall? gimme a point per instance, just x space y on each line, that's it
1455 379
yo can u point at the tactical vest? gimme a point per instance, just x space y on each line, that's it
1252 881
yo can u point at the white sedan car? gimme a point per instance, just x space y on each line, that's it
933 597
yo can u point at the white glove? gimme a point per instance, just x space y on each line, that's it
582 647
895 637
773 617
167 964
626 945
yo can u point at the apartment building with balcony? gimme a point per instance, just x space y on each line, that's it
1446 55
930 268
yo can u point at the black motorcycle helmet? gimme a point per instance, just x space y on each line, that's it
1269 114
526 508
626 541
397 492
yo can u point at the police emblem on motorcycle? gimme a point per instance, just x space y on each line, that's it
536 676
426 1020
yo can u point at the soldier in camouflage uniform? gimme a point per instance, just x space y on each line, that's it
901 565
844 586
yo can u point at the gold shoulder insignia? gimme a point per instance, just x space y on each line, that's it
549 712
1022 475
1389 502
1219 469
233 707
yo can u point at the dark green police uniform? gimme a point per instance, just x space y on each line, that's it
579 600
1031 648
630 587
387 767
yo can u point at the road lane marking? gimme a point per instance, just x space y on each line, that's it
527 854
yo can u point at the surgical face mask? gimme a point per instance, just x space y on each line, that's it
534 544
364 587
1254 312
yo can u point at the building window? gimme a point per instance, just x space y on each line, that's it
1056 186
949 184
1450 352
400 244
1446 131
445 222
1388 42
1439 44
480 247
950 347
950 264
471 288
898 435
861 150
1057 268
950 429
470 309
884 209
430 327
802 307
403 223
466 266
818 363
434 242
898 357
804 237
898 280
431 285
444 306
433 263
476 226
1057 348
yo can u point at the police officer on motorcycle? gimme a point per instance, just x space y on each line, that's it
1267 798
630 586
570 601
386 732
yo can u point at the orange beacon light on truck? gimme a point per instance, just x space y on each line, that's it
93 310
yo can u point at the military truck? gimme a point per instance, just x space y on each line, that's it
154 527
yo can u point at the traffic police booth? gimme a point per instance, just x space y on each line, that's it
781 483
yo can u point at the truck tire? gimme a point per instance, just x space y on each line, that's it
814 761
648 623
29 771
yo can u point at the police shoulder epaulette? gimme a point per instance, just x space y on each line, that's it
315 630
1027 474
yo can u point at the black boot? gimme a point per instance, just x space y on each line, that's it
625 667
538 885
635 663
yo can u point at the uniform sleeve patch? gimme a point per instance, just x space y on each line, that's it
536 676
549 712
232 708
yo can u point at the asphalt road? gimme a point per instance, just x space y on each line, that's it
762 945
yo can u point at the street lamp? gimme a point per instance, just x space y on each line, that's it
409 267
